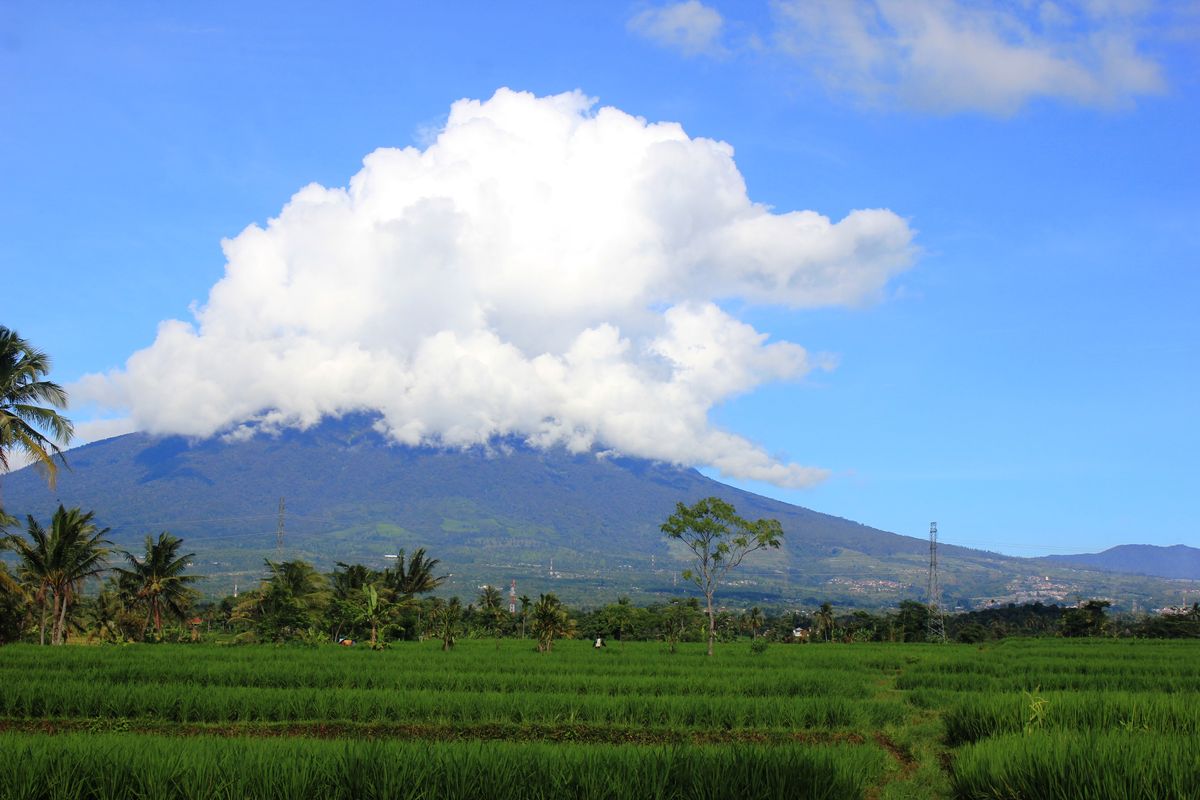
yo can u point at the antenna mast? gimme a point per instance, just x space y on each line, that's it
279 532
937 620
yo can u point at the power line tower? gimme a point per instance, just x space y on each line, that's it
937 620
512 597
279 532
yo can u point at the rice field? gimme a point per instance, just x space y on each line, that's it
1019 719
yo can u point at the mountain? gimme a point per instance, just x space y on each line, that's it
583 525
1176 561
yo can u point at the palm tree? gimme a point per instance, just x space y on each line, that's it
348 583
825 621
54 564
27 427
525 603
417 578
491 608
551 621
107 609
755 620
160 580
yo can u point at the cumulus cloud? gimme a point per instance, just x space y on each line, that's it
690 27
953 55
544 269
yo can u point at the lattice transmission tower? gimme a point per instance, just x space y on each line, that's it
937 619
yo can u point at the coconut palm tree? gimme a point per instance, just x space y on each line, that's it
551 621
160 580
349 583
525 604
755 620
55 563
824 619
415 578
491 609
27 426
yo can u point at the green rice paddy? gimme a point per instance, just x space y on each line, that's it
1019 719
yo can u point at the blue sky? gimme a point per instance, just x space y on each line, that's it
1028 378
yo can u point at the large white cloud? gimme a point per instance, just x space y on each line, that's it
544 269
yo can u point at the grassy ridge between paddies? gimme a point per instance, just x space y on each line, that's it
107 767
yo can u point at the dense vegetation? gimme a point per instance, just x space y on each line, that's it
1022 718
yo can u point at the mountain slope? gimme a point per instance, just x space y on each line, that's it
509 513
1176 561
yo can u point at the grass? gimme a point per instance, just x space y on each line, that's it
1027 719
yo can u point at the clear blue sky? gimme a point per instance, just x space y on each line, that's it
1031 382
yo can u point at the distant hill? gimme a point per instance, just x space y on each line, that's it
583 525
1176 561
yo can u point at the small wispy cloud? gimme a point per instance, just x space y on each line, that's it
689 27
948 56
952 55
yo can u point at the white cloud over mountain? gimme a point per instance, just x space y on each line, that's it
543 269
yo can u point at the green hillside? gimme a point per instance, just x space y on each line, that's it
585 526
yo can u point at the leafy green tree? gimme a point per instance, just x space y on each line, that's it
972 633
719 540
289 602
55 563
160 580
679 618
29 423
1089 619
1184 624
913 620
14 606
620 616
551 621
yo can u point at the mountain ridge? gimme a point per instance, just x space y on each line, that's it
584 525
1161 561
